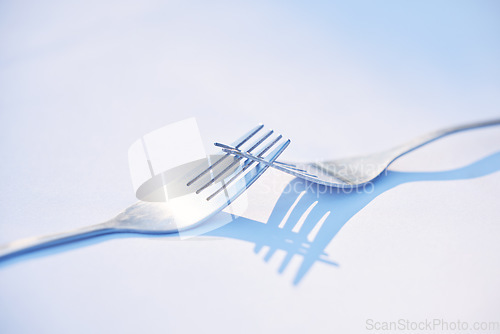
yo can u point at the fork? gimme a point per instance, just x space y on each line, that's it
356 171
198 196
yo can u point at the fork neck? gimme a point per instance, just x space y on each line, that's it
432 136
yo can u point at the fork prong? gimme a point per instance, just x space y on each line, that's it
264 137
237 152
247 164
225 146
283 167
215 178
284 164
249 135
275 155
225 185
265 149
206 170
240 142
231 165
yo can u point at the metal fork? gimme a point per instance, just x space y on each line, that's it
193 198
356 171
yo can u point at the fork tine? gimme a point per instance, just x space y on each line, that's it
264 150
283 167
231 165
293 170
235 151
240 142
215 178
249 135
284 164
224 146
264 137
247 164
274 155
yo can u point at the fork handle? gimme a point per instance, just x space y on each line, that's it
432 136
30 244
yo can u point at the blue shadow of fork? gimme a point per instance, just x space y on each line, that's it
312 207
313 215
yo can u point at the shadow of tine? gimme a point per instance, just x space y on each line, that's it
333 210
335 207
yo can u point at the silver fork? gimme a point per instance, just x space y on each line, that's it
196 197
356 171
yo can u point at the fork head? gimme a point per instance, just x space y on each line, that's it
196 191
226 170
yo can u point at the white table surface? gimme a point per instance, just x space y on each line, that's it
80 81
